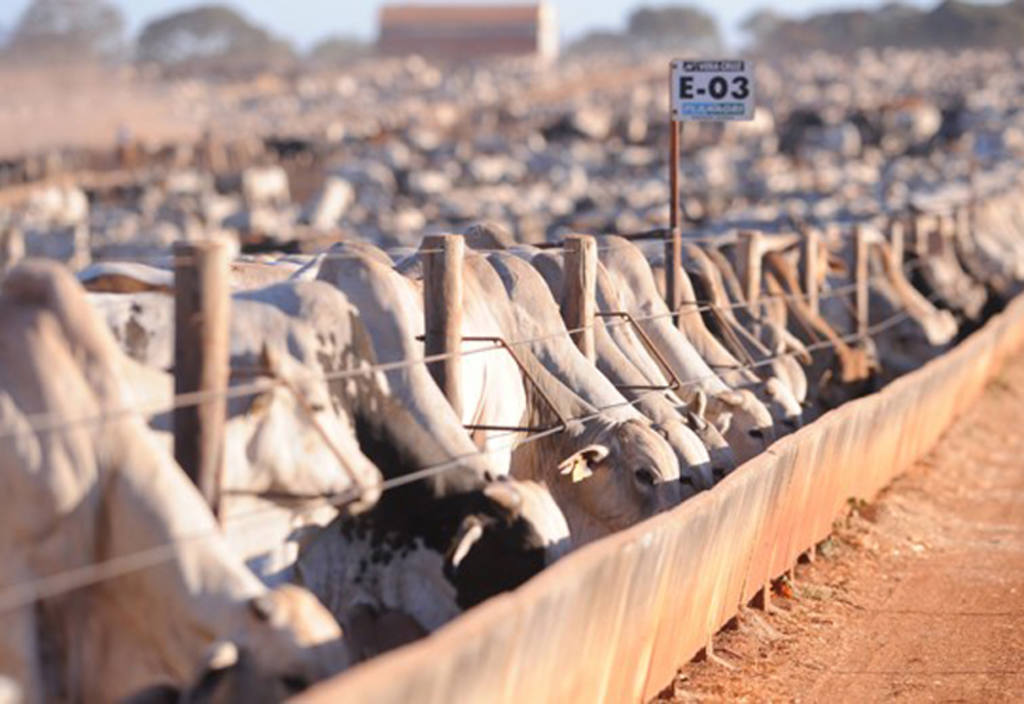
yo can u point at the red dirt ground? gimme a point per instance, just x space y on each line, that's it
916 597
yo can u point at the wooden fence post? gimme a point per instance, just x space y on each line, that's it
861 252
750 260
810 253
896 245
442 311
202 310
579 290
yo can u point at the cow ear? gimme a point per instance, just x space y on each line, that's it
505 495
695 421
723 421
578 464
269 361
469 533
699 403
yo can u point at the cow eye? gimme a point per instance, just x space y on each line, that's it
294 683
756 433
645 476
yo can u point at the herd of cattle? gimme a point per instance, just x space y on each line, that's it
359 508
400 147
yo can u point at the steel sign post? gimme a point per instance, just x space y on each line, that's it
699 91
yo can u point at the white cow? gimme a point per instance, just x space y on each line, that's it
105 492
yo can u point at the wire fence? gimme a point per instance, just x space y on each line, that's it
22 594
47 422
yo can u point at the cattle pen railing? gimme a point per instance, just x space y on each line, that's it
754 565
614 620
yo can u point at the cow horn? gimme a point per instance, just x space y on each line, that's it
470 532
701 399
504 495
222 655
723 421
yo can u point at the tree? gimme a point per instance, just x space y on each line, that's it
338 51
761 24
599 42
67 30
211 38
673 26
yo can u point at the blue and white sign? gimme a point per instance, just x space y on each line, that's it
712 91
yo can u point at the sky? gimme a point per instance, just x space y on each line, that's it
306 21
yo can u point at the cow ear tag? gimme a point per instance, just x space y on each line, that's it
578 469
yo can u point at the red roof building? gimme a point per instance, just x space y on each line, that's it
469 31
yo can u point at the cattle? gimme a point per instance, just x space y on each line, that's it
919 331
761 340
134 277
284 438
265 186
937 270
619 470
632 466
538 318
371 419
746 422
625 360
434 546
994 250
104 491
762 372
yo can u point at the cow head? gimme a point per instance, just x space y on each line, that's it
723 460
622 473
289 438
744 421
695 466
781 403
286 641
506 533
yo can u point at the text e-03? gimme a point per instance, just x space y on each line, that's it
718 88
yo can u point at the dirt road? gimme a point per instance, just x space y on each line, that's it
917 597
